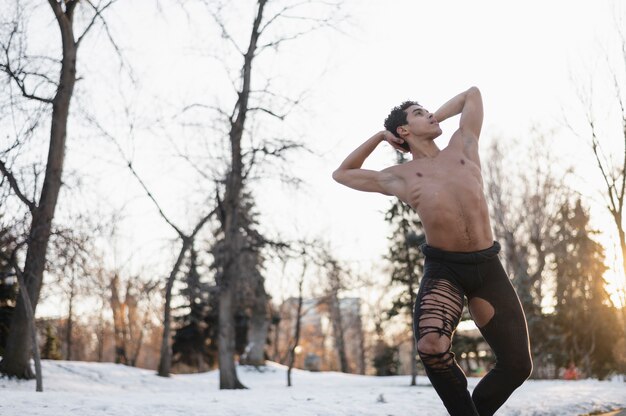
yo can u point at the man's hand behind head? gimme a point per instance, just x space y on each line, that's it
396 142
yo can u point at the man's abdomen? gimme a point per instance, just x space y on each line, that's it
456 221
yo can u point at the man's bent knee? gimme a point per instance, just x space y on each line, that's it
433 343
523 369
519 371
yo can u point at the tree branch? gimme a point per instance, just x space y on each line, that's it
618 92
270 112
145 188
132 170
281 13
31 205
597 152
18 75
57 9
225 34
202 222
97 13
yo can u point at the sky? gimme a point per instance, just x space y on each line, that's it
526 58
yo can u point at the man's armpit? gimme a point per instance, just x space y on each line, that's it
390 183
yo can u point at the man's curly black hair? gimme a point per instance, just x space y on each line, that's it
397 118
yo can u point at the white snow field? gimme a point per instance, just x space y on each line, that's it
98 389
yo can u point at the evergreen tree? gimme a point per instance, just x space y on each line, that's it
250 300
386 361
195 337
8 284
584 318
252 318
51 349
406 261
8 297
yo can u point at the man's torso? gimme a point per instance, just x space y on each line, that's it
447 193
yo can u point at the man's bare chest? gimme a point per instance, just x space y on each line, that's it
440 179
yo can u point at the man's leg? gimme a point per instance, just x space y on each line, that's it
437 313
498 314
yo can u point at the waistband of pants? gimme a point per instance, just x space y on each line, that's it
471 257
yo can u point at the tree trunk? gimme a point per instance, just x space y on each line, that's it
622 241
257 336
134 325
230 219
118 322
276 353
258 327
15 362
362 365
32 328
226 340
340 345
102 328
165 362
68 332
296 341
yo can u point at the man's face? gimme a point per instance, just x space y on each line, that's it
420 122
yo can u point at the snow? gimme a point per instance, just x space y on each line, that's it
81 388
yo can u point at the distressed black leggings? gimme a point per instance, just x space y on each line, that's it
496 310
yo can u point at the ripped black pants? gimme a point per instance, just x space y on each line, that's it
496 310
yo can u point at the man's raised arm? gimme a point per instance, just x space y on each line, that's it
350 174
470 105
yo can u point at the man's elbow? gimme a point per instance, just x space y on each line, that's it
337 175
473 91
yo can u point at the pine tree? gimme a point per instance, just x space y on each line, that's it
8 284
584 318
194 340
406 261
250 300
386 361
51 349
252 316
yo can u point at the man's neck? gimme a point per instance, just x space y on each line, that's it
423 148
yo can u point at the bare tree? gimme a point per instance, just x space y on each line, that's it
305 255
248 101
601 139
69 258
335 284
525 204
292 353
119 311
17 66
127 322
187 240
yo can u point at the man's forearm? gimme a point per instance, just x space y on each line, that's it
357 157
452 107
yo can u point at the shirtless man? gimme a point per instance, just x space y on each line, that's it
445 188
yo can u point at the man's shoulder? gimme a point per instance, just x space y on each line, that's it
463 138
463 143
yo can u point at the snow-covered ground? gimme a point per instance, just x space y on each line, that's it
98 389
